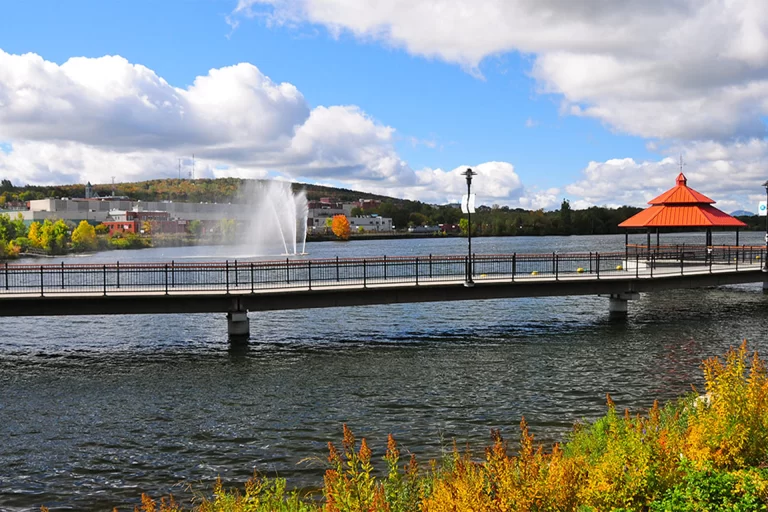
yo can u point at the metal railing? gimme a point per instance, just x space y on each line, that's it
252 276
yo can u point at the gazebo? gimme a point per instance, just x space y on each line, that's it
680 207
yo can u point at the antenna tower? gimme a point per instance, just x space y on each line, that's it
192 171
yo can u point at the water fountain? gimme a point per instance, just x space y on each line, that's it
278 219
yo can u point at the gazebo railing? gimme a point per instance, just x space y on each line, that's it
692 253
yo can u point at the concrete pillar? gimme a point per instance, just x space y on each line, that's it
238 325
618 304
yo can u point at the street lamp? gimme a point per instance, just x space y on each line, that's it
765 257
469 207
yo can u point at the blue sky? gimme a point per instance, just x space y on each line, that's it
579 104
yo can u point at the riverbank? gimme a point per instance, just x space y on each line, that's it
706 452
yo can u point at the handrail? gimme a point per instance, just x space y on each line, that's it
238 276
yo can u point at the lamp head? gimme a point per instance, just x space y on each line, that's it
766 185
469 173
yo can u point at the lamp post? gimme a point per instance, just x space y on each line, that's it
469 173
765 256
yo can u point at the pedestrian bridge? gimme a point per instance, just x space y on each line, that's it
236 287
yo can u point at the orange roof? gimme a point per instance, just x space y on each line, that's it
681 194
681 206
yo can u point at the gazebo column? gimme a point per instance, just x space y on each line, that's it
657 239
648 240
737 237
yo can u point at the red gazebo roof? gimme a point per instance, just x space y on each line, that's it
681 206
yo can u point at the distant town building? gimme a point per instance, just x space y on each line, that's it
371 223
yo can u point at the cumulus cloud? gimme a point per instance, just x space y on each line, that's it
90 119
681 69
730 173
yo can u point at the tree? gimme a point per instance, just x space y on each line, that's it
101 229
464 226
53 236
195 227
84 237
340 226
34 233
565 216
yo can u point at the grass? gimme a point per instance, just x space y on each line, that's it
698 453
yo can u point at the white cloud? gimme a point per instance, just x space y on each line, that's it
92 119
683 69
730 173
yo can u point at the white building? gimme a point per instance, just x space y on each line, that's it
97 210
370 223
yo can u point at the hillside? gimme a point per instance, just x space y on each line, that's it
201 190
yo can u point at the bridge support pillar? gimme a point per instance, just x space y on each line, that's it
618 302
238 326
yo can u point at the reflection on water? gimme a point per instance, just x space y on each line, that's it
96 410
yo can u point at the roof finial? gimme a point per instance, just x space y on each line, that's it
681 179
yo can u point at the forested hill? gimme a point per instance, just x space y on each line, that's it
200 190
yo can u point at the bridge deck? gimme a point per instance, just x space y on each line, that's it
292 284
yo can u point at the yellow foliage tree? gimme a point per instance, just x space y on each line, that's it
84 237
340 226
34 233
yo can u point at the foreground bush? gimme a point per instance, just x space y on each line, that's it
700 453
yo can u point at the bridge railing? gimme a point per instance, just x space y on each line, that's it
253 276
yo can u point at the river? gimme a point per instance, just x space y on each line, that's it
96 410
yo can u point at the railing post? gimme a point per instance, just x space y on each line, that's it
557 268
104 276
337 268
6 276
237 279
385 267
117 273
42 282
252 277
737 259
417 271
653 263
226 273
590 261
554 264
287 271
710 263
637 265
597 263
62 275
514 265
166 279
430 265
682 263
309 273
173 274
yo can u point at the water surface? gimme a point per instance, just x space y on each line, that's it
95 410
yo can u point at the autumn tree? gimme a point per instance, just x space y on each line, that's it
34 233
340 226
84 237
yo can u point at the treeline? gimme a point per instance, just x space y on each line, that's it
59 237
487 221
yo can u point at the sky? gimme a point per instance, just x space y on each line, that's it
594 101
